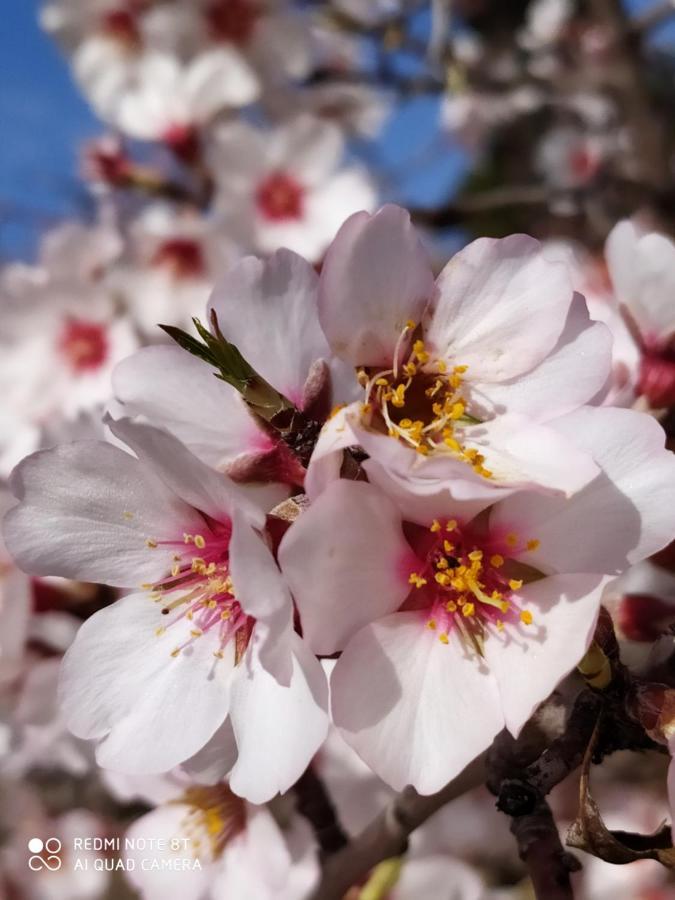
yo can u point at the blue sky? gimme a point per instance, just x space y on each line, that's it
44 120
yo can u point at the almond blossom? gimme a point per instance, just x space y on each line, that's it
207 633
283 187
174 257
65 337
241 850
461 377
439 614
641 265
263 307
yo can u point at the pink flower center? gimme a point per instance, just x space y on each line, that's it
469 581
199 589
84 345
121 25
182 256
232 20
657 378
422 403
583 163
183 140
280 197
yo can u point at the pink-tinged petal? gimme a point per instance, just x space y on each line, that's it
278 729
214 761
521 454
416 710
326 461
174 390
167 824
346 562
216 79
308 147
671 783
268 309
188 477
120 683
86 512
642 267
517 452
529 661
574 372
425 501
501 309
624 515
265 863
376 276
257 581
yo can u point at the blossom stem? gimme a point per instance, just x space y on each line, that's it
387 835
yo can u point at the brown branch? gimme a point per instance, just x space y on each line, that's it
387 835
486 201
315 804
539 847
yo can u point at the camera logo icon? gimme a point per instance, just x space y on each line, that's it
44 854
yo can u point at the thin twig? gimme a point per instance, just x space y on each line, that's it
387 835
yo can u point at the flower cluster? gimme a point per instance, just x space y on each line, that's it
360 513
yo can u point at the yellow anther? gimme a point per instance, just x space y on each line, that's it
442 578
398 398
160 631
448 547
476 555
442 366
175 570
497 560
225 614
442 563
382 382
452 444
460 370
417 580
431 624
366 408
435 526
200 543
219 654
196 632
451 525
457 410
468 609
526 617
443 638
175 652
505 606
127 514
410 369
420 351
152 544
451 606
515 584
512 539
500 625
405 423
423 450
410 325
533 544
